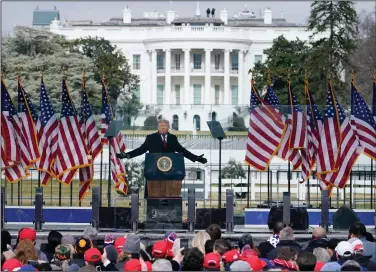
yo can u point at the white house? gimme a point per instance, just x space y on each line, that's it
191 69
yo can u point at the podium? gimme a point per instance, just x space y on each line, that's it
164 173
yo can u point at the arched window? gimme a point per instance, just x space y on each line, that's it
214 116
175 122
196 122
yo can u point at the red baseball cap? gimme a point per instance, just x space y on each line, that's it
28 234
159 249
132 265
92 255
11 264
255 262
119 243
249 252
212 260
231 256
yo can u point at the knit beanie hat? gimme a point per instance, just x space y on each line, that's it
83 244
62 252
132 244
68 239
111 253
109 239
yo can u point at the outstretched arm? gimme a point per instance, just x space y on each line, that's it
187 154
136 152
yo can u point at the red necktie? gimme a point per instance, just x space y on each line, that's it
164 141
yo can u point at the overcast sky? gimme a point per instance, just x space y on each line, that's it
21 13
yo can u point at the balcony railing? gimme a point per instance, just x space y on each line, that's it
177 69
196 70
161 70
219 69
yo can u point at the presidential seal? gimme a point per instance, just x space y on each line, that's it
164 164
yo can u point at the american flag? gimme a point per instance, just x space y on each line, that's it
314 128
92 140
47 128
10 148
265 132
363 123
71 151
28 118
330 137
298 120
349 151
374 100
117 144
284 151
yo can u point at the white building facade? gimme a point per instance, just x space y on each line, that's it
191 70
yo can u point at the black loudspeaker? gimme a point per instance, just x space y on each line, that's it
95 207
343 218
298 217
38 203
115 218
164 213
207 216
191 209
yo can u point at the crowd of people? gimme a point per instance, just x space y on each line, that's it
208 251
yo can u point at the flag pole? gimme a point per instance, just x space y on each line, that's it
289 166
374 115
249 168
41 80
101 163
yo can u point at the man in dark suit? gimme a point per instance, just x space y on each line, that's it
162 142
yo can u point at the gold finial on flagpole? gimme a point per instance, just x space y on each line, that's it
353 75
18 71
64 70
84 73
253 71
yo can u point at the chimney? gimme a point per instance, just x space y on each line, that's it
223 15
55 24
170 14
268 16
127 15
198 13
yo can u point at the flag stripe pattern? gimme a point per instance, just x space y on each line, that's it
117 144
348 150
298 120
28 116
92 140
47 131
284 151
71 152
15 170
330 137
314 128
363 123
265 131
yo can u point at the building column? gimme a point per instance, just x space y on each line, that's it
154 77
167 98
208 93
226 81
187 87
240 76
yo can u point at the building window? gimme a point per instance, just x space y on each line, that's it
175 122
197 94
258 58
177 61
196 122
234 62
160 90
196 61
160 61
216 87
177 94
217 61
234 94
136 92
136 62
